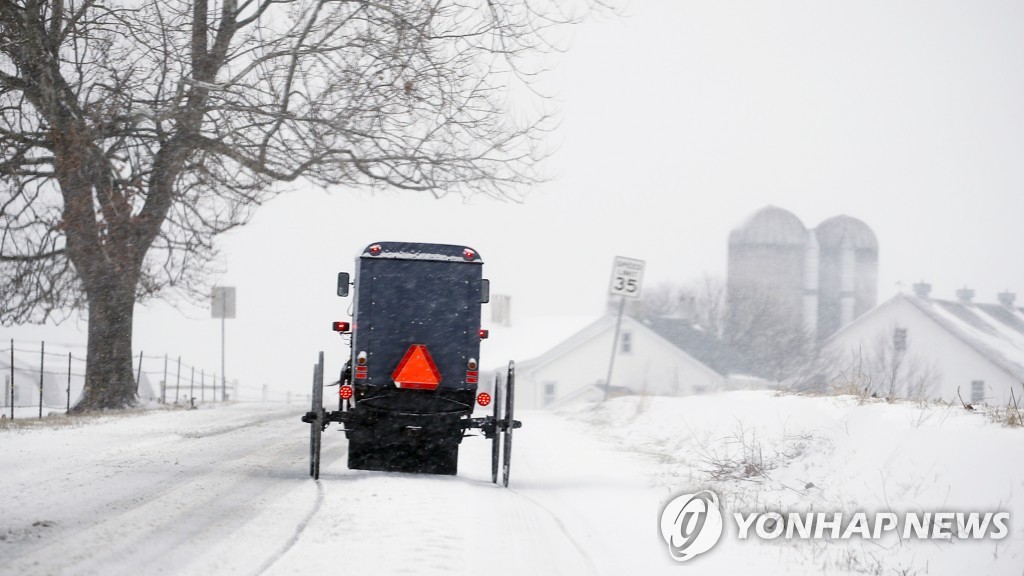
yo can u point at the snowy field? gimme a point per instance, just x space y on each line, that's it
225 490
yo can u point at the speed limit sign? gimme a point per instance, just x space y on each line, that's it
627 276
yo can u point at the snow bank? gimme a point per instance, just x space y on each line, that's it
765 451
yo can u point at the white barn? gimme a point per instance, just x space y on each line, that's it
941 349
659 357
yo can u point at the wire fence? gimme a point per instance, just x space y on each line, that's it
37 379
178 380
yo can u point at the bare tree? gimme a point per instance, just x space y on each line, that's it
753 320
701 300
133 132
707 295
661 300
768 333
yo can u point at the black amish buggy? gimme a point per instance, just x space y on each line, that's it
407 393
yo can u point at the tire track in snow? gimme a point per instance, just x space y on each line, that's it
580 549
298 532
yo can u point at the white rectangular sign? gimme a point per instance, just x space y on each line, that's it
222 302
627 277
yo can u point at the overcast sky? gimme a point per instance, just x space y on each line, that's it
679 121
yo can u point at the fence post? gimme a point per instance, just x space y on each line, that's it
202 385
42 363
177 384
68 410
138 375
12 378
163 385
214 386
191 389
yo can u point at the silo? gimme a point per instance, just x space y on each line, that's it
766 268
847 272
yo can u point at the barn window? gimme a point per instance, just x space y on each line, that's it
899 339
550 391
977 391
627 342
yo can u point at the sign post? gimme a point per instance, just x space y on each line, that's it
627 280
222 305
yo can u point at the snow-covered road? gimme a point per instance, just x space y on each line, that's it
225 490
167 492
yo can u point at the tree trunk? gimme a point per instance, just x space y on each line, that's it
109 381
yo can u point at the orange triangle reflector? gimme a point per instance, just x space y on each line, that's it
417 370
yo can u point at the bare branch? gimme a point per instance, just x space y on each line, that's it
133 133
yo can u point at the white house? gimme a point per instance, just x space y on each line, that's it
56 383
25 392
660 357
916 345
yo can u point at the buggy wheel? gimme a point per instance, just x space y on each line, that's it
510 387
496 439
316 424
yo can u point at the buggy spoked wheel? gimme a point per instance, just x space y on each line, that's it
509 423
496 439
316 423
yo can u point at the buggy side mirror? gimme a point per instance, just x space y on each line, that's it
342 284
485 291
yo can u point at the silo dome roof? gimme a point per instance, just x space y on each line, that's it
770 226
832 232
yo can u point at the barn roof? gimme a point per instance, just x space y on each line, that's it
690 339
697 342
995 331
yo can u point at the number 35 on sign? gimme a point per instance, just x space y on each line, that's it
627 277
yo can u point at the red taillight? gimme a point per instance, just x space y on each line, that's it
345 392
484 334
483 398
340 326
375 249
468 254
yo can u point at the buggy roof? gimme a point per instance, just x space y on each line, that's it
421 251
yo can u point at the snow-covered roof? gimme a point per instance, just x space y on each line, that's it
538 341
696 342
528 338
993 330
420 251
